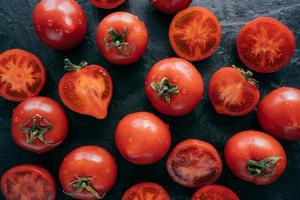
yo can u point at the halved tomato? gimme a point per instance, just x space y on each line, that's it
265 45
107 4
86 89
233 91
195 33
215 192
22 75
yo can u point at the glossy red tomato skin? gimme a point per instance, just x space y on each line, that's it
60 24
143 191
142 138
170 6
20 74
276 39
194 163
253 145
240 96
88 161
51 111
29 182
278 113
137 37
107 4
215 192
185 76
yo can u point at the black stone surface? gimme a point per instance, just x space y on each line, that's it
203 123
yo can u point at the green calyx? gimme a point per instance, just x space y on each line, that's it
265 167
117 40
165 89
248 75
69 66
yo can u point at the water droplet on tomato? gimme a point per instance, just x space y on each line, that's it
130 140
183 91
175 78
148 129
50 22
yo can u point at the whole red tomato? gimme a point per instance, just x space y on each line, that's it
107 4
122 38
255 157
215 192
88 173
39 124
60 24
142 138
279 113
174 86
170 6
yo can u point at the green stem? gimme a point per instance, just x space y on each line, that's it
248 75
265 167
69 66
165 89
117 40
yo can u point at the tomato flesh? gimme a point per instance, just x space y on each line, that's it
107 4
215 192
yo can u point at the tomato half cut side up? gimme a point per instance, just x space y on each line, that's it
107 4
215 192
265 45
22 75
195 33
86 89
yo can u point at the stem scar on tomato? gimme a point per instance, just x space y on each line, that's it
117 40
265 167
165 89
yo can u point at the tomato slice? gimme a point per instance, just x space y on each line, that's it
215 192
22 75
107 4
195 33
265 45
146 191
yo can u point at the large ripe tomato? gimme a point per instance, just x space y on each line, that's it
255 157
233 91
279 113
39 124
22 75
88 173
194 163
265 45
195 33
142 138
122 38
28 182
86 89
215 192
174 86
60 24
146 191
170 6
107 4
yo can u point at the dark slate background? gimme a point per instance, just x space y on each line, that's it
203 123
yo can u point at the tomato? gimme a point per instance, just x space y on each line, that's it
174 86
60 24
170 6
265 45
122 38
194 163
146 191
195 33
215 192
255 157
39 124
107 4
86 89
278 113
233 91
22 75
88 173
142 138
28 182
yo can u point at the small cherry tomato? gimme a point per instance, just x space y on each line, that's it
88 173
142 138
122 38
86 89
255 157
28 182
174 86
170 6
194 163
265 45
22 75
215 192
279 113
146 191
107 4
60 24
233 91
195 33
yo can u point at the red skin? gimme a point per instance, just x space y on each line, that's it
278 113
215 192
107 4
137 37
60 24
28 182
170 6
51 111
194 163
142 138
254 145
